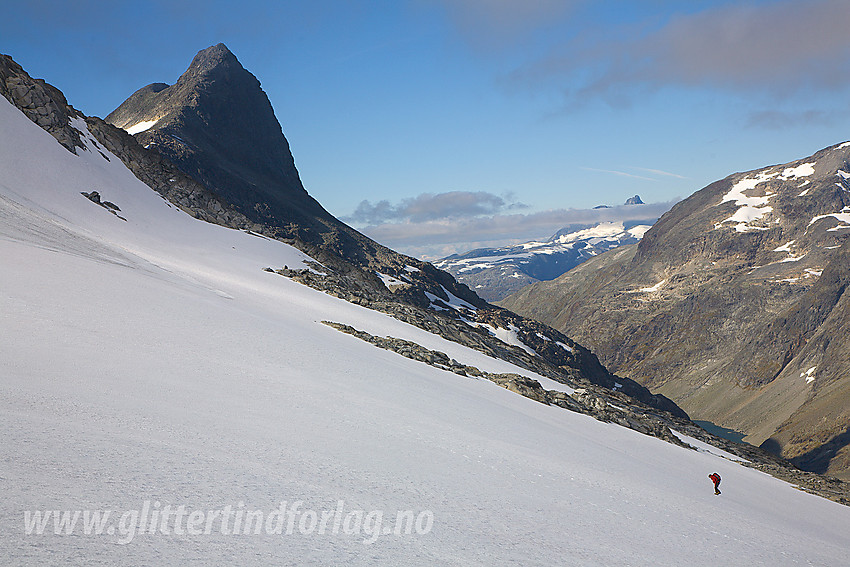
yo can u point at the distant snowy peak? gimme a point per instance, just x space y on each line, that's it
495 273
636 200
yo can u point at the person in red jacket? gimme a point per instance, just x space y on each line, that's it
715 478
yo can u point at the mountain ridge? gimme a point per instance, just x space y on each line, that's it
373 276
710 307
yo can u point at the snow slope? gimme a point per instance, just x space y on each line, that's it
154 360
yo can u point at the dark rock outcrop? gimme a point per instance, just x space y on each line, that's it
41 102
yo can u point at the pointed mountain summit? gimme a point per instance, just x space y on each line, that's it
218 126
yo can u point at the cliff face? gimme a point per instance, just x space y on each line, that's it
730 305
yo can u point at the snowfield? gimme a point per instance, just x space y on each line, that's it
153 360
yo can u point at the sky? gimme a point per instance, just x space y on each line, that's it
437 126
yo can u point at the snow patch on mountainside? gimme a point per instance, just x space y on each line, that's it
391 282
141 126
454 302
565 346
809 374
842 217
508 336
653 289
802 170
749 208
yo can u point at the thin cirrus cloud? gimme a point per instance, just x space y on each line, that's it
777 48
619 173
661 173
655 172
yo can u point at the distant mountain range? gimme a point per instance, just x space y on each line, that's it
496 273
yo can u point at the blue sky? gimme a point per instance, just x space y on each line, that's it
440 125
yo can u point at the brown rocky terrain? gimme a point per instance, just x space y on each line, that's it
733 305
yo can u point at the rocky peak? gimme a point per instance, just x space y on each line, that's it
218 126
216 58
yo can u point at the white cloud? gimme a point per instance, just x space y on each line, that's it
436 238
432 206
